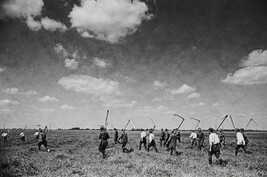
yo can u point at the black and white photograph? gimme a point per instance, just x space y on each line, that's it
133 88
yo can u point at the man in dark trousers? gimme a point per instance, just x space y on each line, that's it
214 146
200 139
124 141
245 138
179 136
42 140
167 135
151 141
142 139
240 142
173 142
104 136
5 135
222 138
162 137
116 136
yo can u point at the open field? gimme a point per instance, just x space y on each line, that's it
75 153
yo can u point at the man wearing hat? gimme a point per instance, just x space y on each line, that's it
151 141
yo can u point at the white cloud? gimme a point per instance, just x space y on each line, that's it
100 63
116 103
11 91
216 104
254 70
197 105
108 20
71 64
47 110
90 85
48 99
6 102
59 49
67 107
159 84
26 10
255 58
33 24
156 99
31 93
247 76
183 89
2 70
52 25
193 95
5 111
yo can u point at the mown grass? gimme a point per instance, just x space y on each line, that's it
75 153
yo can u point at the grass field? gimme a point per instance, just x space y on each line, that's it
75 153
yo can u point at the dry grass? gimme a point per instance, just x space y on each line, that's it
75 153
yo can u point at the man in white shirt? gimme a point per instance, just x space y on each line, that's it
194 138
36 135
142 139
4 135
214 146
240 142
151 141
22 136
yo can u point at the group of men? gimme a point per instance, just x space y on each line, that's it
216 141
39 135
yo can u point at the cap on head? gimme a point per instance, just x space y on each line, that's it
238 130
102 128
199 129
211 129
166 129
150 131
242 129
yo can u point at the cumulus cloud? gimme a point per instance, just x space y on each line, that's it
216 104
31 93
254 70
2 70
67 107
255 58
100 63
27 10
109 20
183 89
159 84
48 99
71 64
197 105
52 25
59 49
47 110
90 85
116 103
156 99
193 95
6 102
11 91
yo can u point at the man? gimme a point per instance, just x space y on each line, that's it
124 141
151 141
222 138
193 136
179 136
104 136
167 135
245 138
36 135
22 136
42 140
200 138
162 137
142 139
214 146
5 135
240 142
116 136
173 142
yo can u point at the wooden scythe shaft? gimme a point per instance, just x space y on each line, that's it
127 124
232 121
106 119
221 122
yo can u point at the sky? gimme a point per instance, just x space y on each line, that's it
67 62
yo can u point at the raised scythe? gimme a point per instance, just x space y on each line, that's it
181 122
198 121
